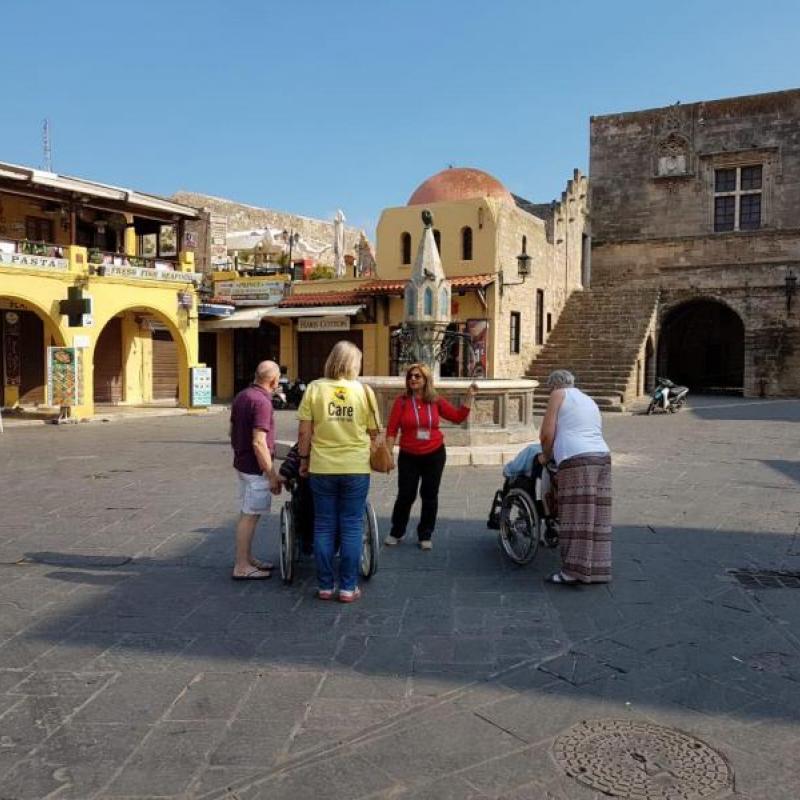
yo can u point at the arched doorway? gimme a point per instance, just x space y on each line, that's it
702 346
137 360
25 335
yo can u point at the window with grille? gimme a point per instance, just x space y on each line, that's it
515 326
737 198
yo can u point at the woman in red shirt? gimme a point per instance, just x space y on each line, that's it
416 415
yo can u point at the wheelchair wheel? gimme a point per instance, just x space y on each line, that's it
519 527
287 544
370 544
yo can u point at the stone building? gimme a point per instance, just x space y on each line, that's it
529 259
700 203
315 235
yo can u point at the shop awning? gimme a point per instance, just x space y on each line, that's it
251 317
241 318
287 312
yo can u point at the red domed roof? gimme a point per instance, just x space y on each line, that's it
459 184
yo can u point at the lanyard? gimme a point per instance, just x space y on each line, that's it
416 413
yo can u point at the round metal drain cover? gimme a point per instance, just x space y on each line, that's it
625 758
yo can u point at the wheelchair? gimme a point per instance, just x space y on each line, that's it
525 513
297 532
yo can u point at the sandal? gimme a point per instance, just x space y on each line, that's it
254 574
560 579
262 565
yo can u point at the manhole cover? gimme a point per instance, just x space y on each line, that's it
623 758
766 578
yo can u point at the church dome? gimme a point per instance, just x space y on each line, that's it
460 183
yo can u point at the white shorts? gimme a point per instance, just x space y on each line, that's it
254 494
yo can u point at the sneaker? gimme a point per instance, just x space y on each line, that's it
426 544
325 594
391 541
346 596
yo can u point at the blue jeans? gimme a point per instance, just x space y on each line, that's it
339 502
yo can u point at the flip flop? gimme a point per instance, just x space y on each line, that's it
262 565
559 579
255 574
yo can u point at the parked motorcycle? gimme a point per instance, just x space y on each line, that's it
295 392
288 394
279 400
667 397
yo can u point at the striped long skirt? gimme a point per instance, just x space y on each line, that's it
584 511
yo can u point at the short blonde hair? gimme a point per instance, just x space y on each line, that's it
344 361
429 392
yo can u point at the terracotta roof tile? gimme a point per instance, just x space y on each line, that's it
376 288
322 299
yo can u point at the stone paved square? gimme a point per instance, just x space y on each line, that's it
132 666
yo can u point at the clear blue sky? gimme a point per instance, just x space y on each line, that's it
313 106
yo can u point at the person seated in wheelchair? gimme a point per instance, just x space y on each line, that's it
299 488
527 473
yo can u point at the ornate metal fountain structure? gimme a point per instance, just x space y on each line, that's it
424 336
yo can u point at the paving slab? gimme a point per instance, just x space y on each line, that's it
132 666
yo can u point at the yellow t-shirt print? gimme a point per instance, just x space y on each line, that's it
341 415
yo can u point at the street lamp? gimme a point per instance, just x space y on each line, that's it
523 270
292 237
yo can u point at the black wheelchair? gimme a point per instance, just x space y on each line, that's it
525 513
297 525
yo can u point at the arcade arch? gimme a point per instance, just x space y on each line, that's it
701 345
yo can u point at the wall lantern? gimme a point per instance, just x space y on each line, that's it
185 300
523 270
790 287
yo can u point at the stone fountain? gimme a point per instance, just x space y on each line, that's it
501 422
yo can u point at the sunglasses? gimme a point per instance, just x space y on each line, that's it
414 376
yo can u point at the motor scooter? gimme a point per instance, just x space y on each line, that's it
667 397
295 392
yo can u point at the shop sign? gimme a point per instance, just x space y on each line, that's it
25 261
320 324
252 291
12 331
150 274
201 386
63 376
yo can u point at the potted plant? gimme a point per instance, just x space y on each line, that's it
95 256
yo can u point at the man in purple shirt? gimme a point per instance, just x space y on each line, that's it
253 442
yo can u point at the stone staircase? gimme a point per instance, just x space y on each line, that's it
599 337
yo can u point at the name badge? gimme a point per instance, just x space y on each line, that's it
423 435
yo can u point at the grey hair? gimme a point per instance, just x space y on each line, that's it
560 379
265 372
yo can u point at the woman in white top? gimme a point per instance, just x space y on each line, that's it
572 434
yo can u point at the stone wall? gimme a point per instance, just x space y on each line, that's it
555 267
652 206
243 217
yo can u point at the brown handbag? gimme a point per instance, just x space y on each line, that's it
380 457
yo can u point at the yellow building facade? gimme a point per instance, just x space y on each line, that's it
133 336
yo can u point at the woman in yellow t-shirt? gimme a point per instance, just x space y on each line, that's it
336 425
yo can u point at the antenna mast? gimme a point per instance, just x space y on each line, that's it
47 152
